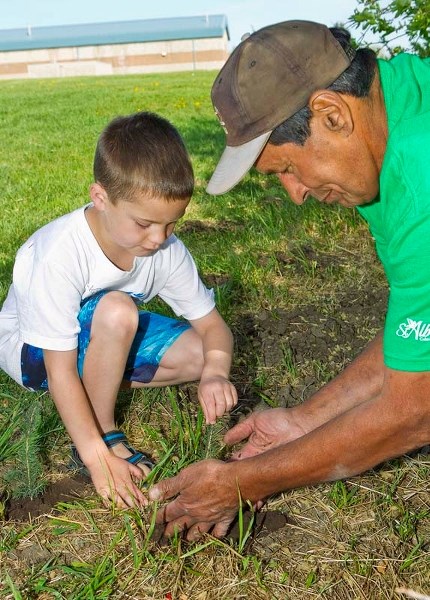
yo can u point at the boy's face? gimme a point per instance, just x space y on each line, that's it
137 228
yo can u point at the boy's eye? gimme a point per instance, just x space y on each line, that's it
142 225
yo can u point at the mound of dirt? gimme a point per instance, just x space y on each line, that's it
64 490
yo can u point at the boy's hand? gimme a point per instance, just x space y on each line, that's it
114 479
217 395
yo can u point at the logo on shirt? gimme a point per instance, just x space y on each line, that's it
419 329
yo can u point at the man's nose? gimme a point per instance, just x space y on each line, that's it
296 190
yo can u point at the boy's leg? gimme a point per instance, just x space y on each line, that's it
118 345
110 321
182 362
164 352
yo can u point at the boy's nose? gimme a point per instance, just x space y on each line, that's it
158 237
296 190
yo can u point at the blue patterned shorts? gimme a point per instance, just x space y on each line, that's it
154 336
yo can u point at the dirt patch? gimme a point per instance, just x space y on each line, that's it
260 524
196 226
254 526
215 280
64 490
310 344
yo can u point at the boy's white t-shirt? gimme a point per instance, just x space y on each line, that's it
62 264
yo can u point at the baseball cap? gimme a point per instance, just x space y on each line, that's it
268 77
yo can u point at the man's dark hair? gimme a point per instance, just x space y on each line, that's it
143 154
356 81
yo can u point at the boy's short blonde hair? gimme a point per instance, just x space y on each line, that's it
143 153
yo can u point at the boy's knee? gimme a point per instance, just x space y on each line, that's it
192 358
116 312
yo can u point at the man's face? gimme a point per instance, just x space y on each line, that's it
329 167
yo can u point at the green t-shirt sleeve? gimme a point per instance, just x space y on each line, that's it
407 258
407 325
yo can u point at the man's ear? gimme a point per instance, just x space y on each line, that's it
98 196
333 111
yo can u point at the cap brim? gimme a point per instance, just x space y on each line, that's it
234 164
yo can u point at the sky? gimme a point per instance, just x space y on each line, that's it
242 15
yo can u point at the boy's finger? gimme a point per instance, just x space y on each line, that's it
231 398
221 407
110 497
209 411
132 497
139 472
140 498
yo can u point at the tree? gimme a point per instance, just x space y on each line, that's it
399 24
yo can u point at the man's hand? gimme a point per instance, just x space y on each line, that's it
206 499
114 479
217 395
265 430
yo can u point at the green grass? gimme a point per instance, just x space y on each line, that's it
354 539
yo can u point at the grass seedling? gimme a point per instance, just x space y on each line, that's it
343 494
10 443
244 532
27 479
16 594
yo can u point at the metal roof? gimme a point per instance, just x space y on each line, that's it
118 32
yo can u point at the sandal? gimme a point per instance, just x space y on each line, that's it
111 439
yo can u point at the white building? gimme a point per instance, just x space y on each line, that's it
143 46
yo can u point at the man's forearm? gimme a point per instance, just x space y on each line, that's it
349 444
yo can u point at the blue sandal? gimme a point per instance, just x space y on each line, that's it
111 439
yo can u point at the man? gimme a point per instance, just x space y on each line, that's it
296 100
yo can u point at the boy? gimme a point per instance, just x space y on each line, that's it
70 322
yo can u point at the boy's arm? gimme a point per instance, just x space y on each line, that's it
216 393
112 476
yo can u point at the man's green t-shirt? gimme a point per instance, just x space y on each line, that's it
399 218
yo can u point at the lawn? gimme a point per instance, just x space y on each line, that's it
302 291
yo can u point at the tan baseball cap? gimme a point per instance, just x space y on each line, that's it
268 77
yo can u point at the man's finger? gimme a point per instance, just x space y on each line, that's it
220 529
165 489
171 512
176 526
196 531
248 451
239 432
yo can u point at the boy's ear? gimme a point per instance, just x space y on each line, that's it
98 196
334 112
